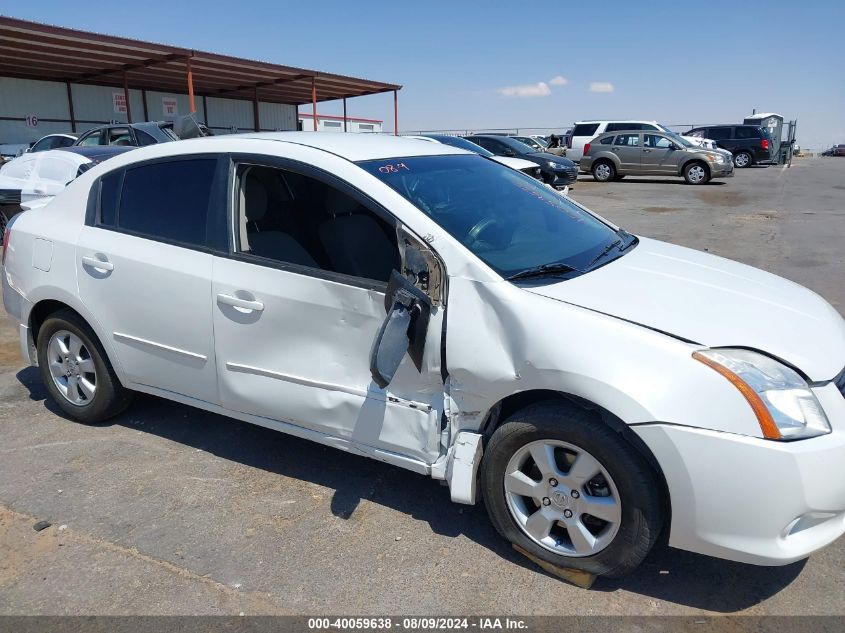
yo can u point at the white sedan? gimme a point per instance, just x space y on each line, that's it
424 306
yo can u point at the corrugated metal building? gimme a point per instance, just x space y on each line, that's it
331 123
54 79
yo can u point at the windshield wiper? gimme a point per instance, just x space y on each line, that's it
546 270
607 249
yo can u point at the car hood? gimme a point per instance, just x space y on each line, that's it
543 156
714 302
514 163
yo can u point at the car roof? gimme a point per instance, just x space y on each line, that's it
354 147
614 121
350 146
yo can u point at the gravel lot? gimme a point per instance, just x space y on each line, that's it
169 510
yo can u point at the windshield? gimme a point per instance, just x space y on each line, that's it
517 146
511 221
531 143
680 140
462 143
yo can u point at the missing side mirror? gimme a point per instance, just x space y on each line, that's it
404 329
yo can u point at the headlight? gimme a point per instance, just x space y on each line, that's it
783 402
712 157
555 165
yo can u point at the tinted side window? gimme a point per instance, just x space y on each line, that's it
749 132
585 129
629 140
109 194
144 138
607 140
168 200
719 133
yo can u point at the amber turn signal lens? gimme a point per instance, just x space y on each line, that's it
764 418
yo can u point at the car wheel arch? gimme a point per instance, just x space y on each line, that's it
509 405
43 308
700 161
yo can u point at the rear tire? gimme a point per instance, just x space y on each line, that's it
76 370
604 171
696 173
540 506
743 160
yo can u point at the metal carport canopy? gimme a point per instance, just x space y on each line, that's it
31 50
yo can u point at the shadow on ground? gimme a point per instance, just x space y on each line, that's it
647 180
667 574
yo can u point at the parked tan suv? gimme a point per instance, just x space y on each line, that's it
614 155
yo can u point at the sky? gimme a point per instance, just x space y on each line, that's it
473 65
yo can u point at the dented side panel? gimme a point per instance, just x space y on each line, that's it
305 358
503 340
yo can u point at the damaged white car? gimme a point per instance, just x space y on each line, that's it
430 308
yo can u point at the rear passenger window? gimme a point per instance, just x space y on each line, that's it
629 140
168 201
749 132
585 129
719 133
607 140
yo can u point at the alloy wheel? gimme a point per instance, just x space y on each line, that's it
72 368
696 174
562 498
741 160
603 172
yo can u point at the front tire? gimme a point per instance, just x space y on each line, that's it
561 484
696 173
76 370
742 160
604 171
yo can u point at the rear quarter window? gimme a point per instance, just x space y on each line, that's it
749 132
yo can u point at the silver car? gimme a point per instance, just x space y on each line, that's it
614 155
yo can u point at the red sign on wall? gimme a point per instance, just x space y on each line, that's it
119 100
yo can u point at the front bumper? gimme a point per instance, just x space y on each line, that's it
721 170
753 500
560 178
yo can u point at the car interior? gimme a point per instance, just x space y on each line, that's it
292 218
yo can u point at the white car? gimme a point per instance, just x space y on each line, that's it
34 178
426 307
520 164
585 131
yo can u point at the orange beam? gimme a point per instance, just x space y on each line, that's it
191 105
126 96
395 113
314 100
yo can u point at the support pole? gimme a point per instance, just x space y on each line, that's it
344 114
255 110
395 113
144 103
205 110
191 105
126 96
314 100
70 107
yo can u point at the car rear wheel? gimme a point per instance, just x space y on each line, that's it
76 371
561 484
742 159
696 174
604 171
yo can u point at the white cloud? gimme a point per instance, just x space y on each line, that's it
558 80
526 91
601 86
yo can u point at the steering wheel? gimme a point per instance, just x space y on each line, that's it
473 235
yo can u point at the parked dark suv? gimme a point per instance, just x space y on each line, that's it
750 144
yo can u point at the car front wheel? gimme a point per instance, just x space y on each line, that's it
696 174
604 171
76 371
562 485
